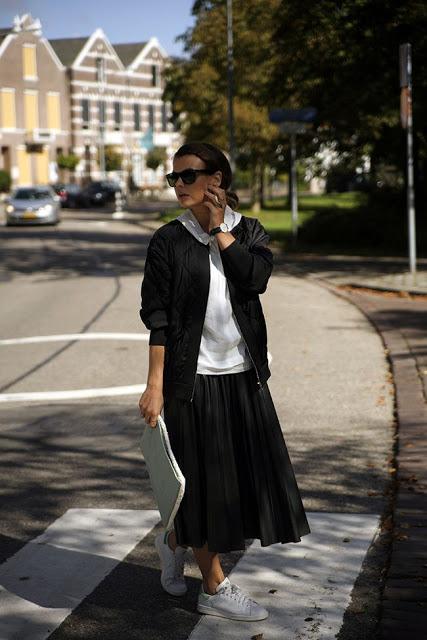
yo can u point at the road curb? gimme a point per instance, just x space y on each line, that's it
404 598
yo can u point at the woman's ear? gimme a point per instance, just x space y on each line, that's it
217 178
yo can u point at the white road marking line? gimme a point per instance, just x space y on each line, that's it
44 581
75 394
75 336
313 579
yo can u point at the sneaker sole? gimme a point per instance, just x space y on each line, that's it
201 608
171 593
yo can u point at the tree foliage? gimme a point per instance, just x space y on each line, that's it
198 86
155 157
5 181
113 159
343 58
68 161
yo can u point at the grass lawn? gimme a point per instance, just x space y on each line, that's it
277 219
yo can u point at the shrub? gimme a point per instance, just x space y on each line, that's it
5 180
69 161
155 157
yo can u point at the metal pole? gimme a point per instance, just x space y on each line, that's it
230 85
410 172
102 152
294 199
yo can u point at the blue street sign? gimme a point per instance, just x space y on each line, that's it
308 114
146 141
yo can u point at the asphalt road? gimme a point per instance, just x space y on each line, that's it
330 384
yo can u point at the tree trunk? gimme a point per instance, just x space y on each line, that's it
290 185
257 187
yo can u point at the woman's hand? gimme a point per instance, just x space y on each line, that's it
151 404
216 201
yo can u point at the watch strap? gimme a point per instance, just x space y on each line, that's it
215 230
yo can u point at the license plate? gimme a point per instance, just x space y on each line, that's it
29 214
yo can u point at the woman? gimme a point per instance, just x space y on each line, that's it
208 369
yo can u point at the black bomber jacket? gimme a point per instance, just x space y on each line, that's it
174 296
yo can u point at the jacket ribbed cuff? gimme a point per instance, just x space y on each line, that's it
158 336
238 258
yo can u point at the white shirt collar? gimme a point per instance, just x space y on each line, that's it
190 222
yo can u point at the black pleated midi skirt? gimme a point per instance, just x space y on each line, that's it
239 479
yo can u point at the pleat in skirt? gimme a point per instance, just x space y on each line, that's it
240 483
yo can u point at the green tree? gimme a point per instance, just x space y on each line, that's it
155 157
113 159
343 58
197 87
67 161
5 181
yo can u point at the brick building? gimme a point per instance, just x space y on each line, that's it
81 95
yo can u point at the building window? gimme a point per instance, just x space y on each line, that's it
101 111
31 110
7 106
151 116
85 113
29 61
165 118
53 111
137 117
117 115
86 156
154 75
100 70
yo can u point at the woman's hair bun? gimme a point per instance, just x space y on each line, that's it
232 199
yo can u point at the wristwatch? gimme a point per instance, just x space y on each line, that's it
222 227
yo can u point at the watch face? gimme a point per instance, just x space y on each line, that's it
224 226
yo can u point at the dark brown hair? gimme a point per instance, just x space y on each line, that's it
215 160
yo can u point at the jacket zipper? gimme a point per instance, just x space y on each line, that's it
194 381
194 384
247 349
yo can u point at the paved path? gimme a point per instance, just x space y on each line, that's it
385 292
403 327
383 273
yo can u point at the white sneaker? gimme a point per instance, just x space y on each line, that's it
172 565
229 601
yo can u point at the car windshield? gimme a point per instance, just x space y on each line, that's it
32 194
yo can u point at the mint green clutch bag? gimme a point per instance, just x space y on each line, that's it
167 480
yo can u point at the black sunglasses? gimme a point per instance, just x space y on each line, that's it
188 176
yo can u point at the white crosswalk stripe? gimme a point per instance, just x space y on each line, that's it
45 580
312 580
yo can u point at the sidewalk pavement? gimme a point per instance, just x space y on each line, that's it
385 293
402 323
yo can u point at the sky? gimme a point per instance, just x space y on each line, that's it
121 20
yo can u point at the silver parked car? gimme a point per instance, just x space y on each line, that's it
33 205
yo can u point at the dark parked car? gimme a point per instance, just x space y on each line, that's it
101 192
96 193
70 194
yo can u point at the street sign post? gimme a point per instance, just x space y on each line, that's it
293 127
293 122
405 62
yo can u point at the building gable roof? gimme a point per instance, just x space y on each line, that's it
67 49
127 52
4 32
